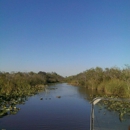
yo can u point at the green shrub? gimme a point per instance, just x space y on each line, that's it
116 87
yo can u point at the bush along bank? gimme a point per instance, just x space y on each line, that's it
113 81
15 87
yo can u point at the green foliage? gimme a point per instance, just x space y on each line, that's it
116 87
110 80
15 87
21 84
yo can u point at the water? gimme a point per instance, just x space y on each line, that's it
70 111
105 119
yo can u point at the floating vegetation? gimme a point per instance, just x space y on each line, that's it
52 88
41 98
16 87
121 106
8 102
9 107
58 96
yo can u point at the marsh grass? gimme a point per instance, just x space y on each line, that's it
112 81
122 107
15 87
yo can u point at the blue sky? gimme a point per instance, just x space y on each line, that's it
64 36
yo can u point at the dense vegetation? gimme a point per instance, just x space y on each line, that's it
15 87
122 107
110 80
13 84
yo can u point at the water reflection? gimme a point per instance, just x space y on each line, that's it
70 111
62 107
8 104
109 114
112 114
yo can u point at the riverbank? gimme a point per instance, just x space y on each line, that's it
23 84
113 81
71 111
15 87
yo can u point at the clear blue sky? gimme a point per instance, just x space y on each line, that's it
64 36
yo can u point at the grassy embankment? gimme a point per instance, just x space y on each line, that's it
112 81
14 87
23 84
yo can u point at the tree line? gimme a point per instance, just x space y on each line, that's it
16 87
113 80
22 83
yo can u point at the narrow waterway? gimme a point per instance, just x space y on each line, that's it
67 112
63 107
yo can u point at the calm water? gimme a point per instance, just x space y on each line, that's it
69 112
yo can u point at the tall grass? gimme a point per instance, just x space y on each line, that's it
110 80
115 87
23 84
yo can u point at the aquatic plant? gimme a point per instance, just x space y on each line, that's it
122 107
15 87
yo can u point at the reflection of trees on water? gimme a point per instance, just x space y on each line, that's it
90 94
121 107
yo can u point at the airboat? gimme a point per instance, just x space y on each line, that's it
110 114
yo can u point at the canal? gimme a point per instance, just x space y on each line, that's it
59 107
